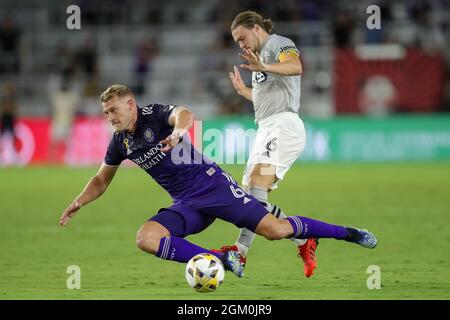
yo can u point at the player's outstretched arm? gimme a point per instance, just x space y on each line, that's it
94 189
181 119
239 85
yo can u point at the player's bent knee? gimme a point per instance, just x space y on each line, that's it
271 229
274 234
149 236
148 242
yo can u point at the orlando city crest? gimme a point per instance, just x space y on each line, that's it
148 135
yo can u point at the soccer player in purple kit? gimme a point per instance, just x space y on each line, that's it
153 137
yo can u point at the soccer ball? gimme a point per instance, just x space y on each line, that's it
205 272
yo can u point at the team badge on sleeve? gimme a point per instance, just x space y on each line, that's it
149 135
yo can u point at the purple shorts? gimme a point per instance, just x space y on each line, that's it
224 200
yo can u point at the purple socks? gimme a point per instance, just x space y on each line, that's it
181 250
305 228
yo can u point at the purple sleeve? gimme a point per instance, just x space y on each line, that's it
162 112
113 156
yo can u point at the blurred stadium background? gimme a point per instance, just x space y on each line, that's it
375 96
171 52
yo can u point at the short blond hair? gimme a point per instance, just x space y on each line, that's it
118 90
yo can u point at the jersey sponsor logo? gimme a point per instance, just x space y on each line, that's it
289 52
270 146
260 77
151 158
288 48
149 135
147 110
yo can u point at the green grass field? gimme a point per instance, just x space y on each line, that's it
406 205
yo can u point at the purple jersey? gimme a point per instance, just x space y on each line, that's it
182 171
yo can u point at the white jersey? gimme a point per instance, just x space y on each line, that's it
274 93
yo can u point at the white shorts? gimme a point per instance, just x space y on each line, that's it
279 141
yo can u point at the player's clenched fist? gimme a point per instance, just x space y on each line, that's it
69 213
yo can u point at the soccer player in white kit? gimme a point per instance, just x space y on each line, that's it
280 138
